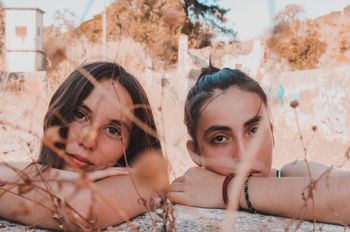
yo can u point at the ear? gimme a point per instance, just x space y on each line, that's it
196 158
273 134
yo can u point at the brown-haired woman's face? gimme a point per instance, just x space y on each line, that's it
99 133
232 125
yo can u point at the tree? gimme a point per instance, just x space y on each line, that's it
295 39
290 14
204 20
157 24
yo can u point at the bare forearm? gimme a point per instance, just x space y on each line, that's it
106 204
31 208
9 171
303 168
294 197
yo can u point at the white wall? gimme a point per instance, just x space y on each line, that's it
23 40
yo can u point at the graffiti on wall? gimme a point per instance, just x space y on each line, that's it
21 32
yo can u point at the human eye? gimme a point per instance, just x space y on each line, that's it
253 130
219 139
80 115
113 131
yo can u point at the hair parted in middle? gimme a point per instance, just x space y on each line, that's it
76 88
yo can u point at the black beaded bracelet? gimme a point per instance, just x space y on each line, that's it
246 196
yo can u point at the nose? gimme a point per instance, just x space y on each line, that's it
88 137
239 151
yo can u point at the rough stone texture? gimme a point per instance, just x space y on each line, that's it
200 220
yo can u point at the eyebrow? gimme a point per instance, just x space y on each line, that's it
216 128
118 122
84 107
253 120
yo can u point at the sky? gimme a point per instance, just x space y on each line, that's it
252 18
249 18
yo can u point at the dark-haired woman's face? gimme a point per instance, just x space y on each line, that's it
99 133
233 125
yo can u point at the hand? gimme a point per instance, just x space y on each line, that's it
59 174
198 187
104 173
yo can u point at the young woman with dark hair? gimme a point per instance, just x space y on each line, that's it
227 118
98 120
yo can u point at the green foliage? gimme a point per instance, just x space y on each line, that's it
204 20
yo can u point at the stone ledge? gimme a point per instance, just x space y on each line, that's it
201 220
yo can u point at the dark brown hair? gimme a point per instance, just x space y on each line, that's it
212 79
73 91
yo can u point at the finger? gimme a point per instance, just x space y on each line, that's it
179 197
176 187
101 174
56 174
180 179
116 170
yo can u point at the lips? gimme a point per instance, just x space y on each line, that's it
80 161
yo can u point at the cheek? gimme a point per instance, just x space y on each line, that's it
110 152
264 154
211 152
73 130
218 158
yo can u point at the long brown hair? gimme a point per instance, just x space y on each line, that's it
73 91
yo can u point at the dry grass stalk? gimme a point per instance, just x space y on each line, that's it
309 190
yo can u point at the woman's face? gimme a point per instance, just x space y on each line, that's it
99 133
233 125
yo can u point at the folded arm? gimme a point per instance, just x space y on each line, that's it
71 204
278 196
309 168
296 197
